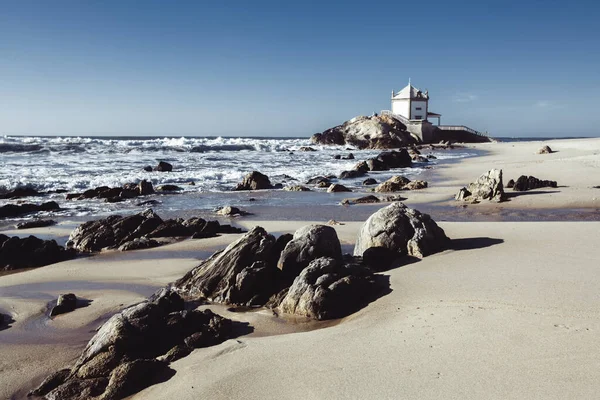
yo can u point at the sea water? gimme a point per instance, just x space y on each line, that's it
214 164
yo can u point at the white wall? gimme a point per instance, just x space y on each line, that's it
401 106
414 113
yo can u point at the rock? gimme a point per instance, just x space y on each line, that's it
148 168
163 167
361 200
431 157
351 174
306 148
334 188
171 228
415 185
317 180
139 244
376 132
296 188
37 223
369 181
394 184
545 150
391 198
333 222
350 156
361 167
30 252
487 187
66 303
121 357
145 188
379 258
402 230
337 157
395 159
510 184
242 274
5 321
328 289
20 192
169 188
254 181
530 182
374 164
15 210
308 243
230 211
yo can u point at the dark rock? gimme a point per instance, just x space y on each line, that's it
487 187
374 164
361 200
169 188
66 303
545 150
337 157
15 210
361 167
334 188
530 182
30 252
171 228
369 181
296 188
350 156
20 192
379 258
121 357
139 244
242 274
328 289
306 148
308 243
402 230
37 223
318 179
145 188
163 167
395 159
148 168
254 181
352 174
510 184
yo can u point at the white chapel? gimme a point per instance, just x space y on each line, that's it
412 104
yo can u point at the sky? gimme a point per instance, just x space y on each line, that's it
283 68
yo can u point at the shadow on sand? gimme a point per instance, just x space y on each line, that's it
510 195
473 243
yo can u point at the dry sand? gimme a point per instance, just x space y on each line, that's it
510 312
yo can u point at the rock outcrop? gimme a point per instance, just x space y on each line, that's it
65 303
117 231
361 200
545 150
254 181
376 132
121 358
308 243
36 223
487 187
163 166
397 183
30 252
531 182
402 230
115 194
242 274
328 288
296 188
16 210
20 192
336 188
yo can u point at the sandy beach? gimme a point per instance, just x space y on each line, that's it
509 311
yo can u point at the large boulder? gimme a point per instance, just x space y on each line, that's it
403 230
242 274
394 184
254 181
30 252
531 182
308 243
395 159
163 166
487 187
328 288
121 357
336 188
376 132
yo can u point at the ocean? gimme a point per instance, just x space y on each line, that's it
214 164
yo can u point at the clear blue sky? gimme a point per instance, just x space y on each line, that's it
281 68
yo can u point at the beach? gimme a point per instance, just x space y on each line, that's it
509 310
